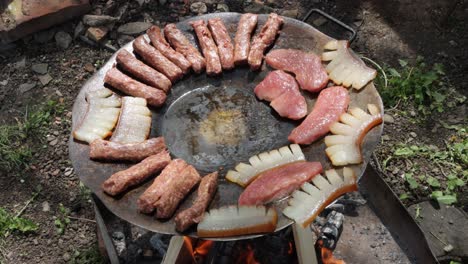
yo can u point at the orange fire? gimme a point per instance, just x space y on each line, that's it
203 247
290 250
247 257
327 255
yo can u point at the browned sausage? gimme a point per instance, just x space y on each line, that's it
194 214
107 150
245 28
136 174
223 40
156 60
159 42
263 40
142 71
180 43
125 84
208 47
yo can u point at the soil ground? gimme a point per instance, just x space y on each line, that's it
387 31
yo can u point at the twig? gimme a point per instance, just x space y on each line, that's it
82 219
441 169
380 68
376 161
441 241
27 204
393 108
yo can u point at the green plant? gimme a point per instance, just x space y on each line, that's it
16 140
426 86
62 219
10 223
88 256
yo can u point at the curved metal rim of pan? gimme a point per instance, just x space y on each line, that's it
76 149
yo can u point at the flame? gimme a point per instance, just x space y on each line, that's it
188 243
327 255
247 257
290 250
203 247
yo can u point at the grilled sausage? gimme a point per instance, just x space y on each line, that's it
101 149
208 47
245 28
223 40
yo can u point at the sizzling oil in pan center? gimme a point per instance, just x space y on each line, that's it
216 126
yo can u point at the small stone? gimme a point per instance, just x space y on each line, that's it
35 242
68 173
413 134
222 8
25 87
4 82
148 254
56 172
453 43
198 8
63 39
20 63
45 79
53 142
385 137
124 39
45 206
388 119
96 21
89 67
448 248
412 113
97 33
58 93
40 68
290 13
319 21
66 257
79 30
133 28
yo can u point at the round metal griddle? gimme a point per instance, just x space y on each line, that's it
199 109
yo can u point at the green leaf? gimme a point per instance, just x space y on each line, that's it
439 98
437 194
403 63
413 184
404 196
394 72
447 199
404 152
433 182
459 182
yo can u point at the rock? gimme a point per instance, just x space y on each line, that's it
412 113
96 21
79 30
89 67
68 173
4 82
45 79
124 39
290 13
148 254
53 142
198 8
388 119
413 134
97 33
40 68
385 137
35 242
63 39
20 63
222 8
134 28
453 43
257 8
66 257
56 172
45 206
26 87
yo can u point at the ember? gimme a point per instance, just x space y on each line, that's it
327 255
247 257
201 250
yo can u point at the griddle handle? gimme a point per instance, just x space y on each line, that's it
333 19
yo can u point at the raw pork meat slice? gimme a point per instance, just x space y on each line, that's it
331 103
310 74
282 91
279 182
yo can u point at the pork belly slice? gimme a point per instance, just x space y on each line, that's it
134 122
101 149
142 72
176 191
123 180
101 115
159 42
279 182
156 60
223 40
194 214
180 43
263 40
208 47
282 91
331 103
310 74
246 26
125 84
